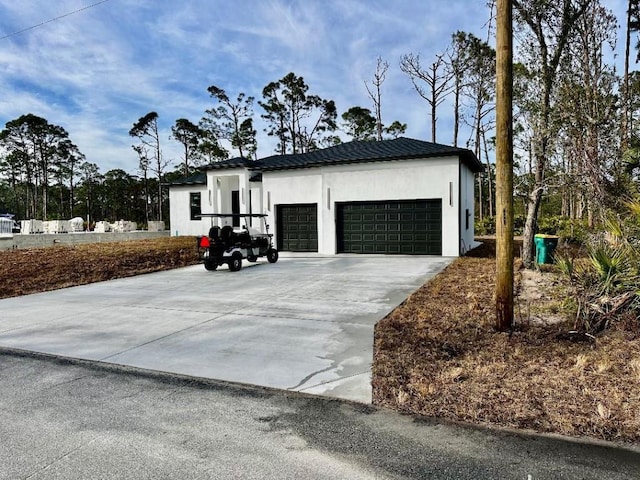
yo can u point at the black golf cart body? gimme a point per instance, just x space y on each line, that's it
226 245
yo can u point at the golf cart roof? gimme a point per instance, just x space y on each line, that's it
218 215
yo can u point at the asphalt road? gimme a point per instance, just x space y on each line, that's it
62 419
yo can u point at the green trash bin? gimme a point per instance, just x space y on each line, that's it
545 247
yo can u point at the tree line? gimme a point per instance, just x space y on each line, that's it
44 175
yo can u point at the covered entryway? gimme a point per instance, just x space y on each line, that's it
297 227
390 227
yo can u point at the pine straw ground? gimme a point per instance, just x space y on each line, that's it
437 355
40 269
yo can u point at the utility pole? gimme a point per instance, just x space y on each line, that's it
504 165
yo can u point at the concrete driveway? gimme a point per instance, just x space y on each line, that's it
304 323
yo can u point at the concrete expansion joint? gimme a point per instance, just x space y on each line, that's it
159 338
173 309
328 382
59 459
73 380
287 317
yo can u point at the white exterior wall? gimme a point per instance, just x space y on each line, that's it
180 222
292 186
434 178
467 203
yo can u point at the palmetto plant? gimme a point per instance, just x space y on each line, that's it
613 267
607 284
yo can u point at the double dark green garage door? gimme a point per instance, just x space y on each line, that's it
390 227
386 227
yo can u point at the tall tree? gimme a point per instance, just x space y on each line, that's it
36 144
375 92
90 180
431 83
396 129
359 124
146 131
210 148
548 26
299 120
588 112
12 166
190 137
143 168
65 167
118 195
479 88
232 120
457 60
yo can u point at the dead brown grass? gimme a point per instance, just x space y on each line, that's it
40 269
438 355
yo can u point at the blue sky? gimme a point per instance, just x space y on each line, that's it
97 71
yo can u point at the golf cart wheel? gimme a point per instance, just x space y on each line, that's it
209 265
272 255
252 258
235 263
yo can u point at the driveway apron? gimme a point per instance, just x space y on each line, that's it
303 324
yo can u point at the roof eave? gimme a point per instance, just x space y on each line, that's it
465 155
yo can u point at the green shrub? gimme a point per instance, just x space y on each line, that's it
486 226
607 286
569 230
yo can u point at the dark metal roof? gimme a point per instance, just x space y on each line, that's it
368 151
199 178
231 163
354 152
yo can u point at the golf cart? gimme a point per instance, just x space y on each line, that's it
231 246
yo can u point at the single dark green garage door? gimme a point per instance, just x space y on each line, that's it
297 227
400 227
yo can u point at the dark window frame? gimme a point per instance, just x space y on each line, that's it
195 205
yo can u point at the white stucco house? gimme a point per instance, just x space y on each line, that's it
400 196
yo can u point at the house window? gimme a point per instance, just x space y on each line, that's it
195 205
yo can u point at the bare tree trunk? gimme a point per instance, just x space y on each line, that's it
456 116
434 105
376 96
478 153
531 225
480 198
490 211
625 127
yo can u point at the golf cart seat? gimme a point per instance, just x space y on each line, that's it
214 234
226 236
243 237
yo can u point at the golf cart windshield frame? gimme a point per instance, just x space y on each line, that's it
218 215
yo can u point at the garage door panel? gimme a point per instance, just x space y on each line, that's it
297 227
399 227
